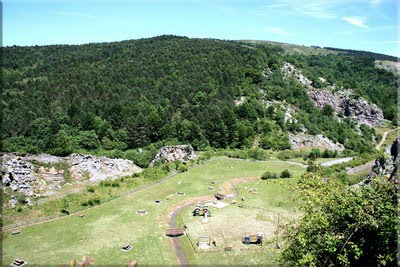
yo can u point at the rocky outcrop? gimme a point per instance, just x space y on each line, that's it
304 141
18 174
359 109
99 168
51 177
44 158
360 168
183 153
239 101
291 71
391 66
388 165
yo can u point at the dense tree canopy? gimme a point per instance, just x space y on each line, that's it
124 95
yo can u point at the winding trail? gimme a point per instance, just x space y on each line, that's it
336 161
385 134
226 190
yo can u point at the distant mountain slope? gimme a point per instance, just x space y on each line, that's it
317 50
122 95
293 48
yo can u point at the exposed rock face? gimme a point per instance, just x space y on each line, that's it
291 71
100 168
357 169
51 177
387 166
358 109
45 158
389 66
18 174
183 153
301 141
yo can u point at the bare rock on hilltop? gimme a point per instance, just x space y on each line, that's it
183 153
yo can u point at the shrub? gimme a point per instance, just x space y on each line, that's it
286 174
90 189
269 175
314 153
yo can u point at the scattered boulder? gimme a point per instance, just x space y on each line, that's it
183 153
100 168
301 141
359 109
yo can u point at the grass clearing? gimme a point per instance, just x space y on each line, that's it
228 224
105 228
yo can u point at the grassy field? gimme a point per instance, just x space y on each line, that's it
105 228
229 224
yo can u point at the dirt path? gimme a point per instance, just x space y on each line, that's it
385 134
336 161
228 189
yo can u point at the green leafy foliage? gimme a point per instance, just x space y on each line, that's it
269 175
343 226
285 174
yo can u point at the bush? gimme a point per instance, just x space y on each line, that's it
341 227
329 154
286 174
314 153
269 175
90 189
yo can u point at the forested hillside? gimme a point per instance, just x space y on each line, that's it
124 95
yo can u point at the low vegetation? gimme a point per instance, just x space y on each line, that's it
343 226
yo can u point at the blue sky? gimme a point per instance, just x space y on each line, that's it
370 25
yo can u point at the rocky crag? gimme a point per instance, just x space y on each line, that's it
359 109
183 153
291 71
303 141
99 168
19 174
342 101
388 165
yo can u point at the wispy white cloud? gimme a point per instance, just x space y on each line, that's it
357 21
375 2
319 9
76 14
278 31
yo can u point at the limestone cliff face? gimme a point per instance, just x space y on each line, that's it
20 175
359 109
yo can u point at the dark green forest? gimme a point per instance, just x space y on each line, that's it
119 96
